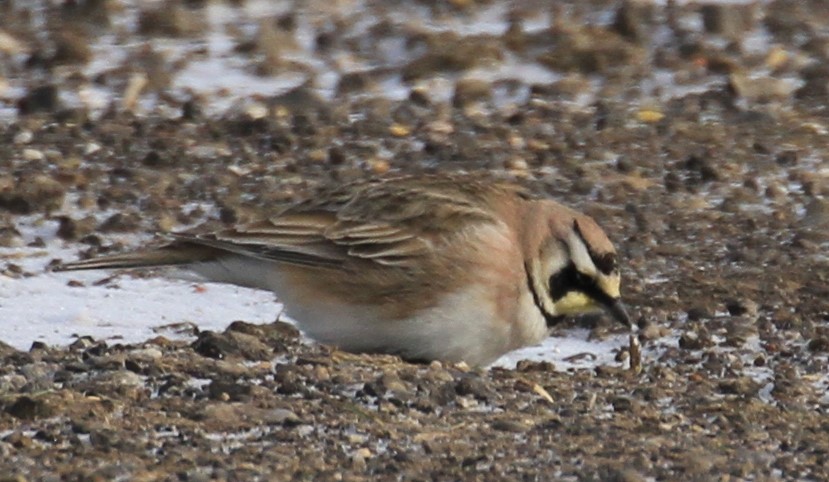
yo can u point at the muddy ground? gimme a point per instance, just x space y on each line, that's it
696 134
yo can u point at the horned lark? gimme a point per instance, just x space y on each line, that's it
447 268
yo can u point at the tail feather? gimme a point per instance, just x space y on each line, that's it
172 254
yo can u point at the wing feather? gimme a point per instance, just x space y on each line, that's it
392 223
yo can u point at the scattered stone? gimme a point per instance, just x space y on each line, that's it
589 50
71 48
474 386
31 193
760 89
744 386
819 345
742 307
787 158
731 20
470 90
43 98
231 344
693 341
120 223
514 426
634 20
169 19
228 391
699 313
451 53
535 366
23 137
28 408
70 229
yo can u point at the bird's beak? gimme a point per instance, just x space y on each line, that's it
617 310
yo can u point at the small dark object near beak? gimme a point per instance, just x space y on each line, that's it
617 309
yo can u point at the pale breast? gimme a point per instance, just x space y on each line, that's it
463 326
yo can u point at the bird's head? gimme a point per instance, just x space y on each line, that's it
577 269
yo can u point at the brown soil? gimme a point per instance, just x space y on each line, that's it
713 186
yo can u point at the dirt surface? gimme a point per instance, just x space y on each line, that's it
696 134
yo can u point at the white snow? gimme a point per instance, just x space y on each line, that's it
46 308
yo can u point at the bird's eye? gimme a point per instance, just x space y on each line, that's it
582 279
569 279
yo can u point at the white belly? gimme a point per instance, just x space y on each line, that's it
463 326
460 327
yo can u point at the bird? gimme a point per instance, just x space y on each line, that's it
454 268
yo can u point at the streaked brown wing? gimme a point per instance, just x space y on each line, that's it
391 223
